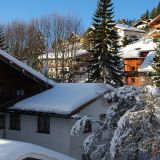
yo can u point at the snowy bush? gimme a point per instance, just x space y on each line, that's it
130 129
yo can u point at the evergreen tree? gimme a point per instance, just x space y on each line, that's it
2 40
156 66
126 41
105 65
153 13
158 9
145 16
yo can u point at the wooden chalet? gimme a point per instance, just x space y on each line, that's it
141 24
155 27
131 66
18 81
137 59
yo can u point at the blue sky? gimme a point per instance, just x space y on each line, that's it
28 9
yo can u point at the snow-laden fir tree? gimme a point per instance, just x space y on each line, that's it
131 130
118 102
2 40
156 66
105 65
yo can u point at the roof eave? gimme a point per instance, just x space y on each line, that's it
25 72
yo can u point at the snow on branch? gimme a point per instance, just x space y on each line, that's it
79 126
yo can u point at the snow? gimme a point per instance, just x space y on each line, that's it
14 150
67 54
26 68
133 50
50 55
79 127
132 54
81 52
146 65
129 28
117 137
153 90
63 98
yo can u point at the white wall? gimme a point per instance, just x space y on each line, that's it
94 110
127 33
59 138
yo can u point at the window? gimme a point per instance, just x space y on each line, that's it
43 124
102 117
133 68
133 80
88 127
20 92
31 159
84 157
1 88
14 121
2 121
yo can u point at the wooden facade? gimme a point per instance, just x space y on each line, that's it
131 66
155 27
17 84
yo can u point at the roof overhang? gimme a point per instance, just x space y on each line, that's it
25 72
155 21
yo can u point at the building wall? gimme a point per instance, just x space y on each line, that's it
59 138
14 81
126 33
131 69
129 64
94 110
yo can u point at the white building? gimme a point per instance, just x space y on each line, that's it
46 119
129 32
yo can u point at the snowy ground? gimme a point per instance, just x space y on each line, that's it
14 150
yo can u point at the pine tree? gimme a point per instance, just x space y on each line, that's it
2 40
156 66
158 9
145 16
105 65
153 13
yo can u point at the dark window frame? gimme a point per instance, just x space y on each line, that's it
43 124
88 127
15 121
133 80
102 117
1 88
2 121
133 68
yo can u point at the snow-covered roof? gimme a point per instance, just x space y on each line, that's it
128 28
14 150
139 23
133 50
81 52
146 65
22 65
131 54
51 55
63 99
